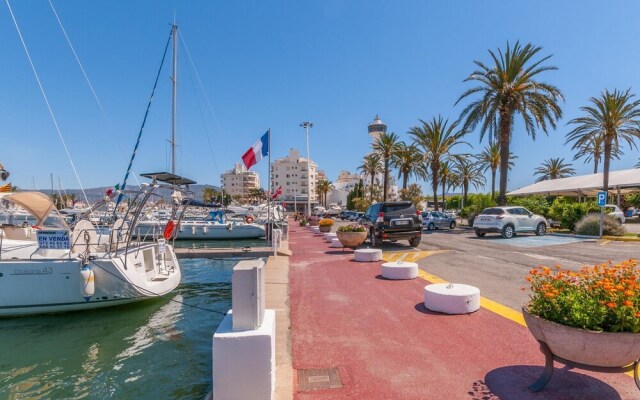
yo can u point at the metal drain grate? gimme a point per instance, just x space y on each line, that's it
316 379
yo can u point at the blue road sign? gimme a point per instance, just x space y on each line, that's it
602 198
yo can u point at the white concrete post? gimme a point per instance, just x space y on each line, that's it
276 237
247 294
244 347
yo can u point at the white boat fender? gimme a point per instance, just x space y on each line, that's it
88 282
230 226
193 230
204 230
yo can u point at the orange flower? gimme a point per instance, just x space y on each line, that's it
629 293
628 303
549 295
611 305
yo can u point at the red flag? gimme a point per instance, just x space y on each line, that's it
277 193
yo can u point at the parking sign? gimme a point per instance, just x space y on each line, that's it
602 198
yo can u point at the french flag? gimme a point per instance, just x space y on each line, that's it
257 151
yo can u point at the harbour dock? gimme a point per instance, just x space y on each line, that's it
343 331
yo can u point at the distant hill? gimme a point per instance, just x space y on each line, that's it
95 194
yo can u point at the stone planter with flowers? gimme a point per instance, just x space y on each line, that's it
588 319
352 235
325 225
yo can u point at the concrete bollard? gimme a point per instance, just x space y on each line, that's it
244 343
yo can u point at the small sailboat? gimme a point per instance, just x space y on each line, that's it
53 267
212 227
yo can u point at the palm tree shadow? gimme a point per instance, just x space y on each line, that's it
511 383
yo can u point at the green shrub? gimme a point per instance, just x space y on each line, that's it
590 225
568 213
536 204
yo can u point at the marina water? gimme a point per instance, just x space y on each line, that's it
155 349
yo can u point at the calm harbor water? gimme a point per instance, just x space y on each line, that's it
156 349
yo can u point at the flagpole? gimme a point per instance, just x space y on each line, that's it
267 236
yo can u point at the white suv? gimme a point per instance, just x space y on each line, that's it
615 212
508 221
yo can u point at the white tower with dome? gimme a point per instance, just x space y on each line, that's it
377 128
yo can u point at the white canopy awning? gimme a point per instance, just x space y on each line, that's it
37 204
627 181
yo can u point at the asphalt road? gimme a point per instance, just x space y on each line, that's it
499 266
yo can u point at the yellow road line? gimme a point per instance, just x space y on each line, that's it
408 256
413 256
497 308
490 305
604 242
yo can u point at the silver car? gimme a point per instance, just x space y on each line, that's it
436 219
508 221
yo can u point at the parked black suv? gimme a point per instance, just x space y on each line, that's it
393 220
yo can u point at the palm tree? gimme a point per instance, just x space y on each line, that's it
553 168
509 87
323 187
370 167
615 117
469 172
490 159
208 194
591 149
387 146
436 138
408 160
448 178
257 194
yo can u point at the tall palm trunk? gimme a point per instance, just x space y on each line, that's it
493 182
465 191
444 184
607 160
505 136
435 171
373 177
405 179
386 178
596 158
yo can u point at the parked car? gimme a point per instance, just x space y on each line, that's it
508 221
393 220
353 216
343 214
615 212
436 219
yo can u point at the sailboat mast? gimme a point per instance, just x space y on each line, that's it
174 80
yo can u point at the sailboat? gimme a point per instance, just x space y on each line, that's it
215 226
55 267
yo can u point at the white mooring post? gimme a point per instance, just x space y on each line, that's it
244 363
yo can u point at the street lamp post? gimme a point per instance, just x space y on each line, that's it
306 125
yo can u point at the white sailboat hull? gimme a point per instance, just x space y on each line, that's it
204 231
40 285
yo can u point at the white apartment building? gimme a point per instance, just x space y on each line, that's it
238 181
341 187
291 173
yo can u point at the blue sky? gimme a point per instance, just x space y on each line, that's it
273 64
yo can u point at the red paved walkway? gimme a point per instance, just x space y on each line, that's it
386 345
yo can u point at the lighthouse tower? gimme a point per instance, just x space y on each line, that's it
376 128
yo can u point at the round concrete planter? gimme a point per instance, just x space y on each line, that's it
313 223
325 229
351 239
601 349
